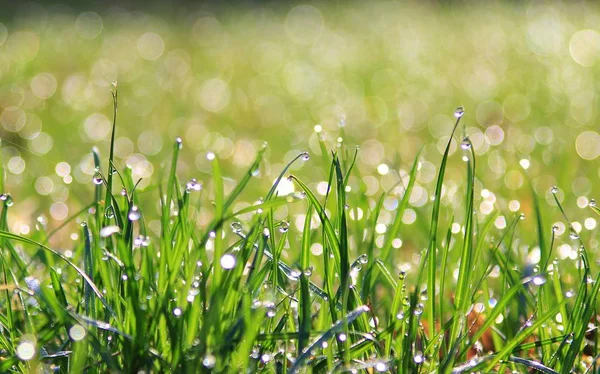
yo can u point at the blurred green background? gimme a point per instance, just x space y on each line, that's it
383 76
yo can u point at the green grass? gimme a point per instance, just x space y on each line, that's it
290 188
249 295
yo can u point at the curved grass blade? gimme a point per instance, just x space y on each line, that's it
86 278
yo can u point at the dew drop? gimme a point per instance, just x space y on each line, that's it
418 357
7 199
522 216
109 213
271 312
466 143
363 259
236 227
573 235
305 156
592 203
209 361
227 261
26 350
381 367
179 142
554 189
107 231
210 156
284 226
193 185
97 179
177 312
77 332
539 280
124 192
134 213
459 112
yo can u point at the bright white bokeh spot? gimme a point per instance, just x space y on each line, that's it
77 332
585 47
43 85
150 46
213 95
588 145
26 350
227 261
89 25
304 24
285 187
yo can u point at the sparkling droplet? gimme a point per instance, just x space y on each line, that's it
26 350
193 185
573 235
539 280
466 143
177 312
97 179
522 216
284 226
209 361
363 259
109 230
134 213
236 227
554 189
592 203
459 112
77 332
179 142
124 192
419 358
305 156
210 156
227 261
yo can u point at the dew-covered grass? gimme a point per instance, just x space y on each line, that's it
295 188
250 292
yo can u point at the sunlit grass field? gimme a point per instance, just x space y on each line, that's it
375 187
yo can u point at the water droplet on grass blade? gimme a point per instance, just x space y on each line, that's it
459 112
109 230
193 185
236 227
209 361
228 261
539 280
210 156
177 312
77 332
7 199
418 358
26 350
466 143
97 179
134 213
284 226
554 189
305 156
573 234
592 203
179 142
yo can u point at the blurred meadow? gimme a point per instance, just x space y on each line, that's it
381 77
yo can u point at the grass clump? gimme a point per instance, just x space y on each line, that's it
259 295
